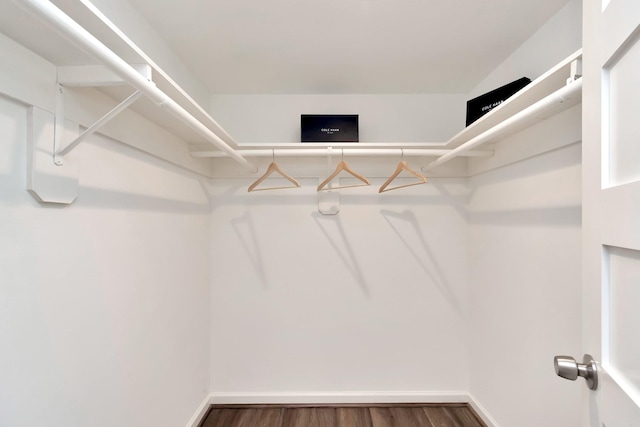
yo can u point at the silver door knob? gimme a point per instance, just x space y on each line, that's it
567 367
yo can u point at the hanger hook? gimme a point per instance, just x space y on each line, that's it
273 155
402 153
342 154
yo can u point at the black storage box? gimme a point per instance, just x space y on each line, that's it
478 107
329 128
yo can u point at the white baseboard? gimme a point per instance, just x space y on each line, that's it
482 412
200 413
230 398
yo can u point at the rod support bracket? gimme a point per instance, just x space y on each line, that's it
50 178
576 71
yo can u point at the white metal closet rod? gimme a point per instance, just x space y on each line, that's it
567 93
49 13
322 152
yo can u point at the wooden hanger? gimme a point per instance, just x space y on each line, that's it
402 166
273 167
343 166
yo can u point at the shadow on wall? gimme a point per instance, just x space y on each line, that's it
108 199
339 239
92 197
543 217
404 223
330 226
423 255
244 227
542 191
124 178
458 201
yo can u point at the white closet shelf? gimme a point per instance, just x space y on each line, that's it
55 41
514 114
346 149
554 103
92 18
551 81
555 91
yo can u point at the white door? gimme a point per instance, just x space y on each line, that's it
611 209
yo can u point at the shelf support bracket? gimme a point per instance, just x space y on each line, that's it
576 71
98 124
67 27
48 181
89 76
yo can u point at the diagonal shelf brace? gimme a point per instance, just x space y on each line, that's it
98 124
89 76
84 40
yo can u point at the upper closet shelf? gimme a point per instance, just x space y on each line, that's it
71 44
556 78
558 101
66 41
555 91
322 149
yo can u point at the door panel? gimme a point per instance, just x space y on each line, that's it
611 208
622 104
620 325
621 215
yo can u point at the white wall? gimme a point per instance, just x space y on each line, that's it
382 118
371 302
525 228
285 339
109 306
104 304
332 307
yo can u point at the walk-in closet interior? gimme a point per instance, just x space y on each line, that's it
141 282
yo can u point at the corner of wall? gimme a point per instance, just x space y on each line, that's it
482 412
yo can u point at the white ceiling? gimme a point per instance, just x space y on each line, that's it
345 46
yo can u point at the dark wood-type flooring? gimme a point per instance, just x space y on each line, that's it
414 415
